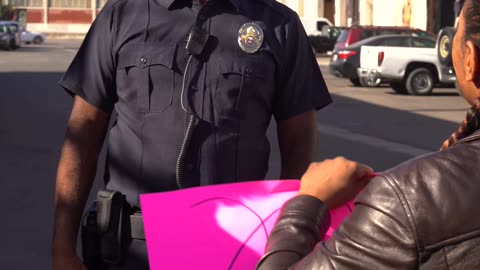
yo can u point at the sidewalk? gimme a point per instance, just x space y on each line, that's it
65 36
323 59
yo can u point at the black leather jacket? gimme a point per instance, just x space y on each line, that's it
422 214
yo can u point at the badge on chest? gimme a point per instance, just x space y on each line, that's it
250 37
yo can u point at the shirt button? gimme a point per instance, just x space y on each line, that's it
201 18
194 87
143 60
248 70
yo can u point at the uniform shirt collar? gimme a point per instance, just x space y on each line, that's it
236 3
167 3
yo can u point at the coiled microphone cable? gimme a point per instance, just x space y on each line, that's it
191 122
196 41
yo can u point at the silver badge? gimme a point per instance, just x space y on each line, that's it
250 37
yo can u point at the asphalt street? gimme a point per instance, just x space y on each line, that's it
370 125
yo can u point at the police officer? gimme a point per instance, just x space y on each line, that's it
194 86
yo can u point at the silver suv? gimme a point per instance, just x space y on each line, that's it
10 35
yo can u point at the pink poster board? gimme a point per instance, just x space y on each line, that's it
216 227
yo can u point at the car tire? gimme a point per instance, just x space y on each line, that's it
370 82
37 40
8 46
12 45
420 82
398 87
356 82
444 45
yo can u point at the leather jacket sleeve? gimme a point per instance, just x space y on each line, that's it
379 234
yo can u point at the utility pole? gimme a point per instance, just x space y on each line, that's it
431 15
94 9
45 12
355 12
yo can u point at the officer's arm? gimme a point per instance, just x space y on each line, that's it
297 142
84 137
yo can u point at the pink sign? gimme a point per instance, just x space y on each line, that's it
216 227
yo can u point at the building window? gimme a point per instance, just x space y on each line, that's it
26 3
70 3
101 3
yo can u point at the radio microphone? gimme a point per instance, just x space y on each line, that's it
196 40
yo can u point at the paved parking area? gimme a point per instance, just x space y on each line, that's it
371 125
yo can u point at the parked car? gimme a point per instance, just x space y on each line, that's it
7 38
357 33
321 33
325 42
15 30
345 62
314 26
27 37
412 71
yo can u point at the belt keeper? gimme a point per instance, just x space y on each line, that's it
136 226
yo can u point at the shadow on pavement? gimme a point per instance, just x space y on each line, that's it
364 119
453 93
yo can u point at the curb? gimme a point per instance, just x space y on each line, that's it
65 36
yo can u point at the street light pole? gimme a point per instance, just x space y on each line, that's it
45 12
94 9
355 12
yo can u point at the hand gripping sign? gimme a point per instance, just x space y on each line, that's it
217 227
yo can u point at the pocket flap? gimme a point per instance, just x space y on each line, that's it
247 68
144 55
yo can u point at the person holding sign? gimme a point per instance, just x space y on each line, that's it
422 214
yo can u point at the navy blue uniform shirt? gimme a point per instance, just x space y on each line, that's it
133 60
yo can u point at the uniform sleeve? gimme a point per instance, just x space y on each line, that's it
301 87
91 74
377 235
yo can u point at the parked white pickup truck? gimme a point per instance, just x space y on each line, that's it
410 70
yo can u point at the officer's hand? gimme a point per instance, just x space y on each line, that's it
335 181
68 262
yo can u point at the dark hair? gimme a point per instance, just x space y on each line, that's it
471 13
469 125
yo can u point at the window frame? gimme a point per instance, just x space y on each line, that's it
69 4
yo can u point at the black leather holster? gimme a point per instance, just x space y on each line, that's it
106 230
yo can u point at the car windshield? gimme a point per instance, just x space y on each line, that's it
335 32
343 36
420 34
13 28
367 41
320 24
423 43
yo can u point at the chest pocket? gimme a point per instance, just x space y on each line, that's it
236 83
145 78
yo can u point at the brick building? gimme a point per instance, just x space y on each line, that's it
57 16
313 8
75 16
431 15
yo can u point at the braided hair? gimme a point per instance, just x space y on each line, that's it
469 125
471 13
